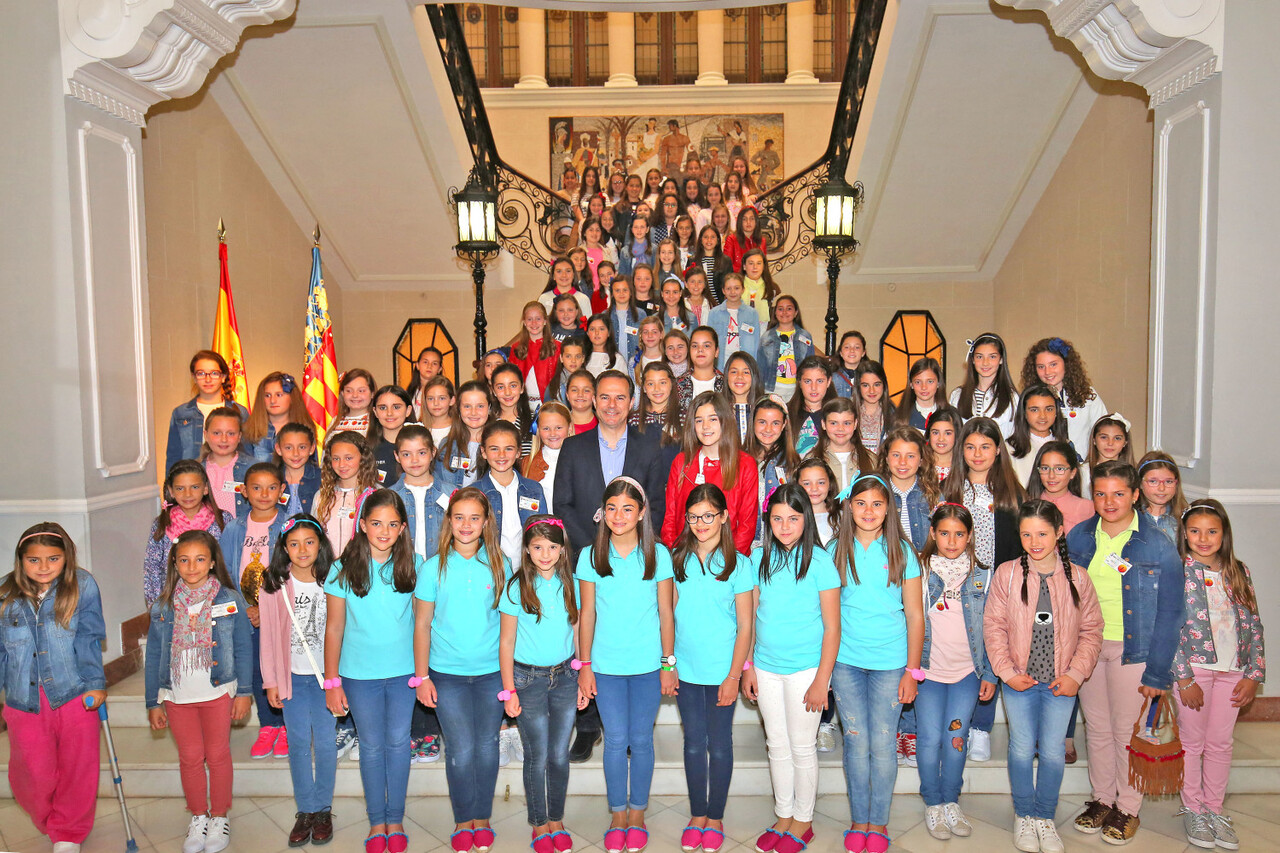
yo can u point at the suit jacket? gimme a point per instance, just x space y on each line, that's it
579 484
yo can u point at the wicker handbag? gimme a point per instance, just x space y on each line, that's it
1155 751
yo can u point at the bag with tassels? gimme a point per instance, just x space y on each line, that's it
1155 750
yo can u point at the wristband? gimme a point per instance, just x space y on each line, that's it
330 683
917 674
666 668
504 695
746 666
415 680
576 664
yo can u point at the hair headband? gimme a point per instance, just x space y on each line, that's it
294 522
848 490
633 481
950 503
1059 347
1153 462
984 338
360 501
1198 505
553 521
42 533
1116 416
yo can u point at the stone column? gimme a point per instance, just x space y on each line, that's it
532 27
800 42
710 48
622 49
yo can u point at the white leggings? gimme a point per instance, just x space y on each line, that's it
791 733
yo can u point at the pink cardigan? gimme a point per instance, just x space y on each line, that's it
1006 622
275 656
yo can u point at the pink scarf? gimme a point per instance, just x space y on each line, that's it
193 628
179 523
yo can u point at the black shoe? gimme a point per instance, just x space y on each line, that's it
582 746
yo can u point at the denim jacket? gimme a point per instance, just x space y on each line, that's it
432 509
1165 523
186 432
1152 596
769 348
748 330
232 648
918 512
530 499
1196 645
232 542
973 598
305 489
37 652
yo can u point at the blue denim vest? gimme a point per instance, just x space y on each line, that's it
1152 595
232 648
37 652
431 509
973 598
748 330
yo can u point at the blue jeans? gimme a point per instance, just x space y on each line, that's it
943 712
708 748
267 716
984 716
869 710
470 715
628 708
310 726
907 722
1036 716
381 707
548 707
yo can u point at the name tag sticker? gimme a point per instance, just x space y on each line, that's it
232 486
530 504
223 609
461 462
1118 563
631 331
748 329
284 499
382 476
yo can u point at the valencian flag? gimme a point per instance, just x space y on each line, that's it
226 331
320 378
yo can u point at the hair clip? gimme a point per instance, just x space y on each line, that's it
294 522
360 501
1116 416
287 383
1059 347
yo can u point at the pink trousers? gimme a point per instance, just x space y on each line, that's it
1110 702
1206 737
53 767
202 732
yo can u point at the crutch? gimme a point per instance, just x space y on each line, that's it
131 846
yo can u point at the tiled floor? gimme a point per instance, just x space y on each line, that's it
261 825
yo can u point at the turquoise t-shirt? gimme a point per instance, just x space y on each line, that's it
707 617
465 627
873 626
628 638
378 639
546 641
789 617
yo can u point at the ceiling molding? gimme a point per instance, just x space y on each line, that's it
570 98
1165 46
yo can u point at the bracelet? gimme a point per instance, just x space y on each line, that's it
736 677
576 664
504 695
666 668
330 683
746 666
415 680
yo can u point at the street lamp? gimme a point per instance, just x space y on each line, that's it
836 205
476 206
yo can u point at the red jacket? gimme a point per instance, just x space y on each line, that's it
735 252
743 499
543 368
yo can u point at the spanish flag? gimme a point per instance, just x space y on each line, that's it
320 378
226 331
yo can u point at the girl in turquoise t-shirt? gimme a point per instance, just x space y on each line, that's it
797 635
539 631
455 654
881 638
626 623
368 658
713 612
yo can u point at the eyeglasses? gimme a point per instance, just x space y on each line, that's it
705 518
1154 482
208 374
1057 469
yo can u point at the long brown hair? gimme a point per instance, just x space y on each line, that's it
347 378
255 428
927 475
366 476
907 402
456 442
547 349
783 452
19 586
217 565
1094 457
672 416
167 506
357 557
687 543
960 513
525 578
729 445
1001 385
1048 512
644 530
861 456
228 381
488 539
1234 573
1006 492
1158 460
846 541
1075 379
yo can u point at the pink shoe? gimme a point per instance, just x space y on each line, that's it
791 844
562 841
397 842
691 838
266 742
768 840
637 839
712 839
855 840
281 749
461 840
375 843
542 843
877 842
482 837
615 840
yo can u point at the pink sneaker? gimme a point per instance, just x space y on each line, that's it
281 749
266 742
637 839
397 842
542 843
376 843
877 842
768 840
791 844
482 837
691 838
460 841
562 841
712 839
855 840
615 840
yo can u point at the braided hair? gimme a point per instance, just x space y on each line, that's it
1050 514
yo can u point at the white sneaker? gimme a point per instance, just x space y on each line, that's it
515 745
1025 836
937 823
826 737
196 831
1048 835
218 836
979 745
956 821
66 847
354 753
504 748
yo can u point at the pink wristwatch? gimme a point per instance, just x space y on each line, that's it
917 674
504 695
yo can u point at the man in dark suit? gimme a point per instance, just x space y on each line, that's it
587 463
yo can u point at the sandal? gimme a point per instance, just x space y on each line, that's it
637 839
691 838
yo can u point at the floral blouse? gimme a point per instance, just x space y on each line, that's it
1196 647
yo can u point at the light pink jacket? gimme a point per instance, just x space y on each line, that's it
1006 622
275 657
